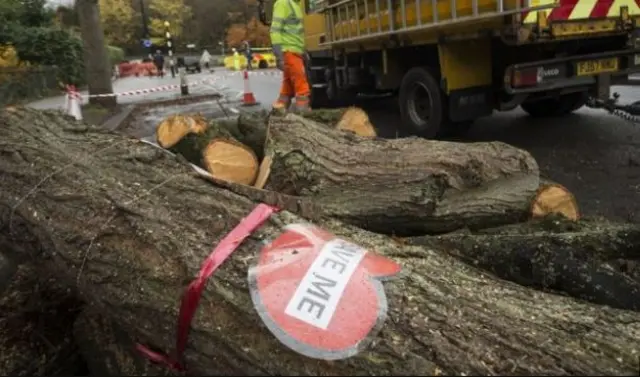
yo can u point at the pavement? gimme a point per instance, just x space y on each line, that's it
594 154
228 83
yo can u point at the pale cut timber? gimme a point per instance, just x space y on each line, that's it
231 161
264 172
357 121
407 186
553 198
443 316
175 127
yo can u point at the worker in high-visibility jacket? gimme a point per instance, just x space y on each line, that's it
287 40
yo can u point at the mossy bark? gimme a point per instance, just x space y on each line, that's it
102 211
192 146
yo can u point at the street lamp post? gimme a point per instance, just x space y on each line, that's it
170 48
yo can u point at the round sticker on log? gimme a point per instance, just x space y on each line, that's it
318 294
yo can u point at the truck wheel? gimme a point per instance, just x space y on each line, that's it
263 64
553 107
420 102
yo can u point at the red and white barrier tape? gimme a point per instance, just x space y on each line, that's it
71 90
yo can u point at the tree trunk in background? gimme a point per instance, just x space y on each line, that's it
96 59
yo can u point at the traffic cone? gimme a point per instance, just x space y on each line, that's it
73 103
248 98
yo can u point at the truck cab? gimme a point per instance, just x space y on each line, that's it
450 62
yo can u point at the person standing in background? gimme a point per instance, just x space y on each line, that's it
248 54
158 61
236 59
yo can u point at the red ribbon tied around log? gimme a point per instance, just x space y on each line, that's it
191 297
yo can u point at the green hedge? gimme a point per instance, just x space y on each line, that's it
116 54
43 46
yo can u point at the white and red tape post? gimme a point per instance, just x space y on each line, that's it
73 99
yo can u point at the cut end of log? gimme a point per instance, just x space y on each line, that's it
175 127
553 198
265 171
199 124
231 161
357 121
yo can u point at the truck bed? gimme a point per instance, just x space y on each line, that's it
360 20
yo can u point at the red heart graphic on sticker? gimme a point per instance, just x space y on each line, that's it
318 294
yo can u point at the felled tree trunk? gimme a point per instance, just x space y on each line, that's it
555 254
176 134
131 225
109 350
36 319
402 186
212 146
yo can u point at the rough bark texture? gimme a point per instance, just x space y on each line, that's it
36 319
96 58
109 350
104 209
401 186
555 254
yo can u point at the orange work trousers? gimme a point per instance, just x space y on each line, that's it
294 83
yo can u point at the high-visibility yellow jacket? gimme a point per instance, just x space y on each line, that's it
287 29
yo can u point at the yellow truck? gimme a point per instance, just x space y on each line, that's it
452 61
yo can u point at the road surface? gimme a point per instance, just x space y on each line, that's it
594 154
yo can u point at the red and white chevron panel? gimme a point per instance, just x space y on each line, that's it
582 9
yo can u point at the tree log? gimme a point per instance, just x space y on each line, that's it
189 135
179 136
104 210
36 319
402 186
555 254
108 349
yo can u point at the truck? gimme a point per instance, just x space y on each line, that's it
449 62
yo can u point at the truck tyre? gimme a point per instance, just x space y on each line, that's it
554 107
421 102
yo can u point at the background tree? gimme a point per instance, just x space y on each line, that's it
30 31
97 66
119 22
175 11
253 31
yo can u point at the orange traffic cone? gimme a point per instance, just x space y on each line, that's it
248 98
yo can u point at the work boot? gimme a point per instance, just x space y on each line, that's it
280 108
301 108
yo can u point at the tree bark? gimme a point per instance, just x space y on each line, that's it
96 59
109 350
402 186
36 319
130 225
555 254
